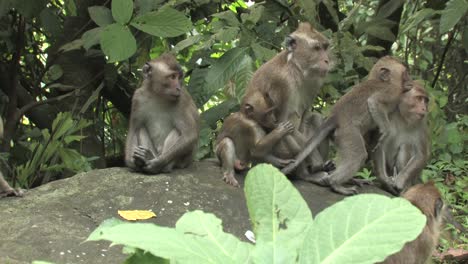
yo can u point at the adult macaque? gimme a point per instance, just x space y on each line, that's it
292 79
164 121
351 118
243 138
405 150
5 188
426 198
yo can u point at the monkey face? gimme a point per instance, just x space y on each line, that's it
267 119
413 105
165 76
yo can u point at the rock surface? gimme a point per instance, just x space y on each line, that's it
51 222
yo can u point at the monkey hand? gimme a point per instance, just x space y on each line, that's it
285 127
154 165
12 192
329 165
230 179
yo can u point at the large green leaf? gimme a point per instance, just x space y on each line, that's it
279 215
101 15
224 69
166 22
207 230
117 42
198 238
389 8
361 229
122 10
454 11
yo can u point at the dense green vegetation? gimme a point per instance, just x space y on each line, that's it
81 58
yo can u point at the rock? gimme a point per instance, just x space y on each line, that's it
51 222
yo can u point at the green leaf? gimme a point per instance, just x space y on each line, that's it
215 113
160 241
117 42
227 34
224 69
454 11
101 15
73 45
187 42
261 53
50 21
362 229
277 211
228 17
255 14
70 8
122 10
29 8
262 253
417 18
389 8
308 7
465 39
55 72
206 229
380 32
166 22
91 37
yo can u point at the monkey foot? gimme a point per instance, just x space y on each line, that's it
361 182
320 178
239 165
230 179
344 190
329 165
12 192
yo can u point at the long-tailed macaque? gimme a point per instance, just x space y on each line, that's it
292 79
243 138
5 188
426 198
164 121
352 117
405 150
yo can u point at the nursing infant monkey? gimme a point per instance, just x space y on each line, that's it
288 83
164 121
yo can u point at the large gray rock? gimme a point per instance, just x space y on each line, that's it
51 222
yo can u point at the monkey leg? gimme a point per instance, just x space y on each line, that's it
226 153
352 154
7 190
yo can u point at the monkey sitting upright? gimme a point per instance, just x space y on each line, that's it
164 121
5 188
426 198
243 138
405 151
293 79
364 108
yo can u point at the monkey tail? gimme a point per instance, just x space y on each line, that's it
323 132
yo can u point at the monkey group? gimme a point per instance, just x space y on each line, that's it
382 119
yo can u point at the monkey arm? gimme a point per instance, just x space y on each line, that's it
411 170
264 144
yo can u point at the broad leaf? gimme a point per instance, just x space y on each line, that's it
101 15
308 7
362 229
207 230
187 42
277 211
163 242
166 22
389 8
454 11
91 37
117 42
122 10
224 69
50 21
263 253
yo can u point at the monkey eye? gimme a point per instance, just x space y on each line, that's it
173 76
317 47
325 45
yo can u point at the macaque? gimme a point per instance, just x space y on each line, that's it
405 150
364 108
243 138
426 198
164 121
5 188
292 79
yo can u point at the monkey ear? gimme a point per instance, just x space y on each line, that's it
146 70
384 74
290 43
439 204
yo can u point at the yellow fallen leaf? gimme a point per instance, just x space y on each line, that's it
136 214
